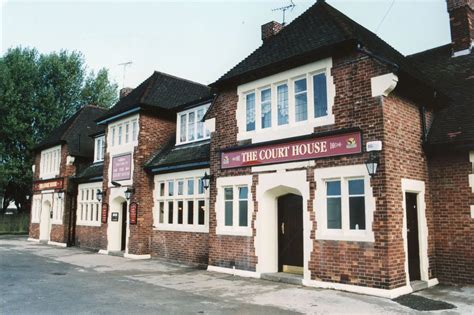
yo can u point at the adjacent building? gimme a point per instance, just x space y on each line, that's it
325 154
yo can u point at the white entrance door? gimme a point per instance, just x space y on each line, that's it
45 225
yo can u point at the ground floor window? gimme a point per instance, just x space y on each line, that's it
344 203
234 206
57 208
181 202
36 209
88 207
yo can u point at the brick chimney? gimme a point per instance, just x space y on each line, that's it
125 91
461 17
269 29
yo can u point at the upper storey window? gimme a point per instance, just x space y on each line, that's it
99 149
123 132
50 162
190 125
286 104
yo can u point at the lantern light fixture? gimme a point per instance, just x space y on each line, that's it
99 195
372 163
206 180
129 192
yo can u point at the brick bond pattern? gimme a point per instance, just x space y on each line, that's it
380 264
452 198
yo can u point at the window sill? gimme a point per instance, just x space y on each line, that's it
89 224
235 231
181 228
366 236
48 176
57 222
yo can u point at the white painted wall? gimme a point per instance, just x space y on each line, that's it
114 229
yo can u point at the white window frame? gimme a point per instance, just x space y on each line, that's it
36 209
50 162
293 128
125 130
57 209
196 175
87 197
99 149
235 182
206 134
343 173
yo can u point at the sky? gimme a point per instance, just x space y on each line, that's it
196 40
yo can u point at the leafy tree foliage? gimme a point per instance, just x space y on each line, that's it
38 92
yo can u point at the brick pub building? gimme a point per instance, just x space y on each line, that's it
324 156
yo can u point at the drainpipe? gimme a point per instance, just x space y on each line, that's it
423 124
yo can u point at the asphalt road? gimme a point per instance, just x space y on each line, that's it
40 279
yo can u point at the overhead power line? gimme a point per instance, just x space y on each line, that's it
386 14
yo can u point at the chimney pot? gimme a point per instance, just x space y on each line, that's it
461 18
270 29
125 91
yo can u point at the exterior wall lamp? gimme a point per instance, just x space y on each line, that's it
99 195
61 194
129 192
372 163
206 180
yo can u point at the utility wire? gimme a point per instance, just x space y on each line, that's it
386 14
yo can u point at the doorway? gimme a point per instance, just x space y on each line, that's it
290 234
124 227
413 242
45 226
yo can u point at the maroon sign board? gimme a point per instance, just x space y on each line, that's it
121 167
105 212
297 150
133 213
48 184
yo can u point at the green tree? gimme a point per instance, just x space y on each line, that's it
38 92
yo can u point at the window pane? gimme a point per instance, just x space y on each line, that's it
134 130
180 212
200 187
170 188
282 103
170 212
162 212
202 212
190 212
191 126
356 187
190 186
320 95
180 187
228 213
182 130
162 189
300 86
334 213
243 192
266 107
301 108
113 136
120 135
357 213
250 111
126 132
200 124
229 193
243 213
333 188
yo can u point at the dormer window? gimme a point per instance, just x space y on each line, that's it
99 149
123 132
50 162
190 126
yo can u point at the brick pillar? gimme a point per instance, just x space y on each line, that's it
461 17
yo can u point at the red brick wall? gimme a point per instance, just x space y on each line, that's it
34 230
181 246
90 237
461 16
154 133
454 226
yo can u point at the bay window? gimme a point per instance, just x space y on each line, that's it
180 203
190 125
344 204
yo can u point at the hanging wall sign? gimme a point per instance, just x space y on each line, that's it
296 150
105 212
121 167
48 184
133 212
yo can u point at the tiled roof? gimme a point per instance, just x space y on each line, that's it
161 91
318 30
75 132
454 77
93 172
175 158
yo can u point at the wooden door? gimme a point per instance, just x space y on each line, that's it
412 236
124 226
290 232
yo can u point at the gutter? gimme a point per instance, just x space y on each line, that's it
363 50
115 117
172 168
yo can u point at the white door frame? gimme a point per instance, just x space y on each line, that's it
45 221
